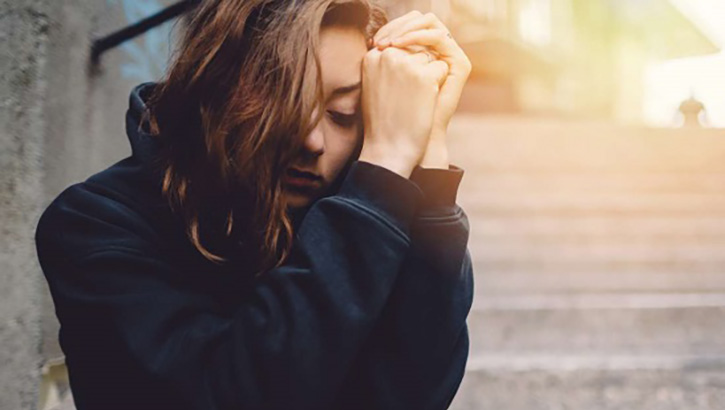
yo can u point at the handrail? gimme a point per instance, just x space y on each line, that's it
103 44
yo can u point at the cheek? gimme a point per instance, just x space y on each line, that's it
343 145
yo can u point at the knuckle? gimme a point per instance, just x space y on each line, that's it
368 62
371 57
389 55
468 66
415 13
372 53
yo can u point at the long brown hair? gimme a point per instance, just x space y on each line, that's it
233 111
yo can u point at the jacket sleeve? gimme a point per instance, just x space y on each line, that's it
416 356
288 347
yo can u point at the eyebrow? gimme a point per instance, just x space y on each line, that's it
346 89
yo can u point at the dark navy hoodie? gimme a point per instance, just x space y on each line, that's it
370 313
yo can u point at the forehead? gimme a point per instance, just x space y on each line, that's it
342 50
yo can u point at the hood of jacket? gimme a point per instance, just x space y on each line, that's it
144 146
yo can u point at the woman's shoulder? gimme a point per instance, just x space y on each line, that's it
118 208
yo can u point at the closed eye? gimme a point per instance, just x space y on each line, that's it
344 120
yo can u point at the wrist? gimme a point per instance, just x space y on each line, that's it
382 158
436 154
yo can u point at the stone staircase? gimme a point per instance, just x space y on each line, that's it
599 254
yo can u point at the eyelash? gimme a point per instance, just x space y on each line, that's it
344 120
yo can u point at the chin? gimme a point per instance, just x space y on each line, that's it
296 200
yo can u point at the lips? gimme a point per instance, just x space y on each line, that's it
302 179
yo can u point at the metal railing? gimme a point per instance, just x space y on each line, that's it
103 44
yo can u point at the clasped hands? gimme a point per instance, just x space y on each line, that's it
416 32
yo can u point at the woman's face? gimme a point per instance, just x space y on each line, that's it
329 147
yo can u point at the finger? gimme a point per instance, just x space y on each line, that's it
372 55
394 53
437 39
385 31
419 58
426 21
372 60
439 70
415 48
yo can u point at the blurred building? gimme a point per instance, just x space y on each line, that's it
583 58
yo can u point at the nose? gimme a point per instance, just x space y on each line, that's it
315 141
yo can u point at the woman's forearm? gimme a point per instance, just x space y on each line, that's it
417 353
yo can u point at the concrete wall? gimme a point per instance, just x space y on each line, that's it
61 120
23 49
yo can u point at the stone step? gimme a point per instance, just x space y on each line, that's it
508 281
587 183
552 145
513 253
606 383
554 227
586 238
598 324
519 269
604 240
494 204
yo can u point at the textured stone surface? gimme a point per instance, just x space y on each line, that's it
594 389
23 61
60 121
562 331
598 255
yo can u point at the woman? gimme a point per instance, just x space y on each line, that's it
285 232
